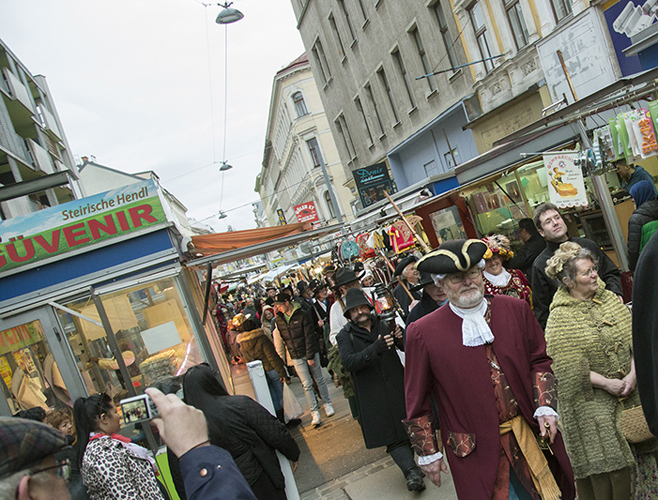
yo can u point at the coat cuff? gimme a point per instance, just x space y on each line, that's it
422 433
544 390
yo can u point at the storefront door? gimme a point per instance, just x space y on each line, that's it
36 363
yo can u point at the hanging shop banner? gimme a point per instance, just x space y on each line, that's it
567 184
79 224
372 182
306 212
281 216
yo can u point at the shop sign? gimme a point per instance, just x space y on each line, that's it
567 186
79 224
372 182
281 216
19 337
306 212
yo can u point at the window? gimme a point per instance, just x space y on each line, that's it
321 60
561 9
359 108
480 28
517 23
423 58
347 19
314 149
405 77
330 205
344 132
363 11
382 78
300 105
334 27
445 34
371 96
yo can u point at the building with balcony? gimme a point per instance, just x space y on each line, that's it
37 169
298 143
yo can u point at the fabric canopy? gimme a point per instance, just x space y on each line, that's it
209 244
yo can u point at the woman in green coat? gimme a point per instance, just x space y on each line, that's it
589 337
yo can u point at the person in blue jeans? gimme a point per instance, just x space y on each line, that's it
298 332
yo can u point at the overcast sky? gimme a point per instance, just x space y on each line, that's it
132 80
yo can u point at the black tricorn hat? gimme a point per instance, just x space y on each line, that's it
453 256
425 279
353 298
302 286
404 263
316 286
345 275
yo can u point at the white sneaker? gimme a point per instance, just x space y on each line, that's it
329 410
316 418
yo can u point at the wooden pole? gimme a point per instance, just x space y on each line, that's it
426 248
399 279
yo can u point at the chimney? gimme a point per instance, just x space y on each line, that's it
84 159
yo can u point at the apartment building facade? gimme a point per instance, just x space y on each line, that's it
37 169
298 141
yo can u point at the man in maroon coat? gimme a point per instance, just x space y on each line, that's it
484 360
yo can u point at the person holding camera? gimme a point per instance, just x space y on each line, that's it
367 349
111 465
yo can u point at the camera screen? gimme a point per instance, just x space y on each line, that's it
134 411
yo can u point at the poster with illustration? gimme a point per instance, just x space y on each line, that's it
567 186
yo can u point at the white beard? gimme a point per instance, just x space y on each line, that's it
473 298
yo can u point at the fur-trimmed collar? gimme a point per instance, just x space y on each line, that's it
250 335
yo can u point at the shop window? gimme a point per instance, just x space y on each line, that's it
448 224
300 105
481 34
30 376
151 329
517 23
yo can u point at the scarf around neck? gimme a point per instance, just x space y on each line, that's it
499 280
475 329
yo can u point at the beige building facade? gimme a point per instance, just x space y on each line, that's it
298 141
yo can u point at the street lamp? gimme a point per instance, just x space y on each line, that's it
225 166
228 15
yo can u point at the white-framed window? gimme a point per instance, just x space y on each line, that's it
300 105
445 34
330 205
341 125
561 9
397 57
321 61
481 34
517 23
415 34
314 149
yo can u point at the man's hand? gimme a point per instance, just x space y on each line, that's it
397 332
388 338
552 426
320 323
433 471
311 362
181 427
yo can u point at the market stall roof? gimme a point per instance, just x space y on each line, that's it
272 274
264 246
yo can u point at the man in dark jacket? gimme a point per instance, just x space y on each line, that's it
533 245
552 227
646 210
632 174
366 348
298 332
434 296
408 275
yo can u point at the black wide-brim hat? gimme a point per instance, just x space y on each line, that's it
344 276
404 263
453 256
353 298
425 279
316 286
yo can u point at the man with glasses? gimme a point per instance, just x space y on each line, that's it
484 360
553 229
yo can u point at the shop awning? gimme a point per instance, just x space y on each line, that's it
209 244
263 246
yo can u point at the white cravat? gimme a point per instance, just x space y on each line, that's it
475 329
500 280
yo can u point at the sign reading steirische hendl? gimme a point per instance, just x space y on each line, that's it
79 224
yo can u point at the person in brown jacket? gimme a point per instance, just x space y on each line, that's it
254 345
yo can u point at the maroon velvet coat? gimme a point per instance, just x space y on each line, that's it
460 378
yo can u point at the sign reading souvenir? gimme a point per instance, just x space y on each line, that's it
566 178
79 224
281 216
306 212
20 336
372 182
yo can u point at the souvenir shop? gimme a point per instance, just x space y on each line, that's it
95 297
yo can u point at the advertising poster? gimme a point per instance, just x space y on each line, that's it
306 212
567 186
372 182
78 224
624 19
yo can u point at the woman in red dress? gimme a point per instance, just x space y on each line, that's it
497 279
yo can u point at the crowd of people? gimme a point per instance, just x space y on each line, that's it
516 368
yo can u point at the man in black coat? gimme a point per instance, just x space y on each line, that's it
552 227
533 245
645 330
297 330
406 270
366 349
434 296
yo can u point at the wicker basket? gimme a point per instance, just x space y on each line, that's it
634 425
